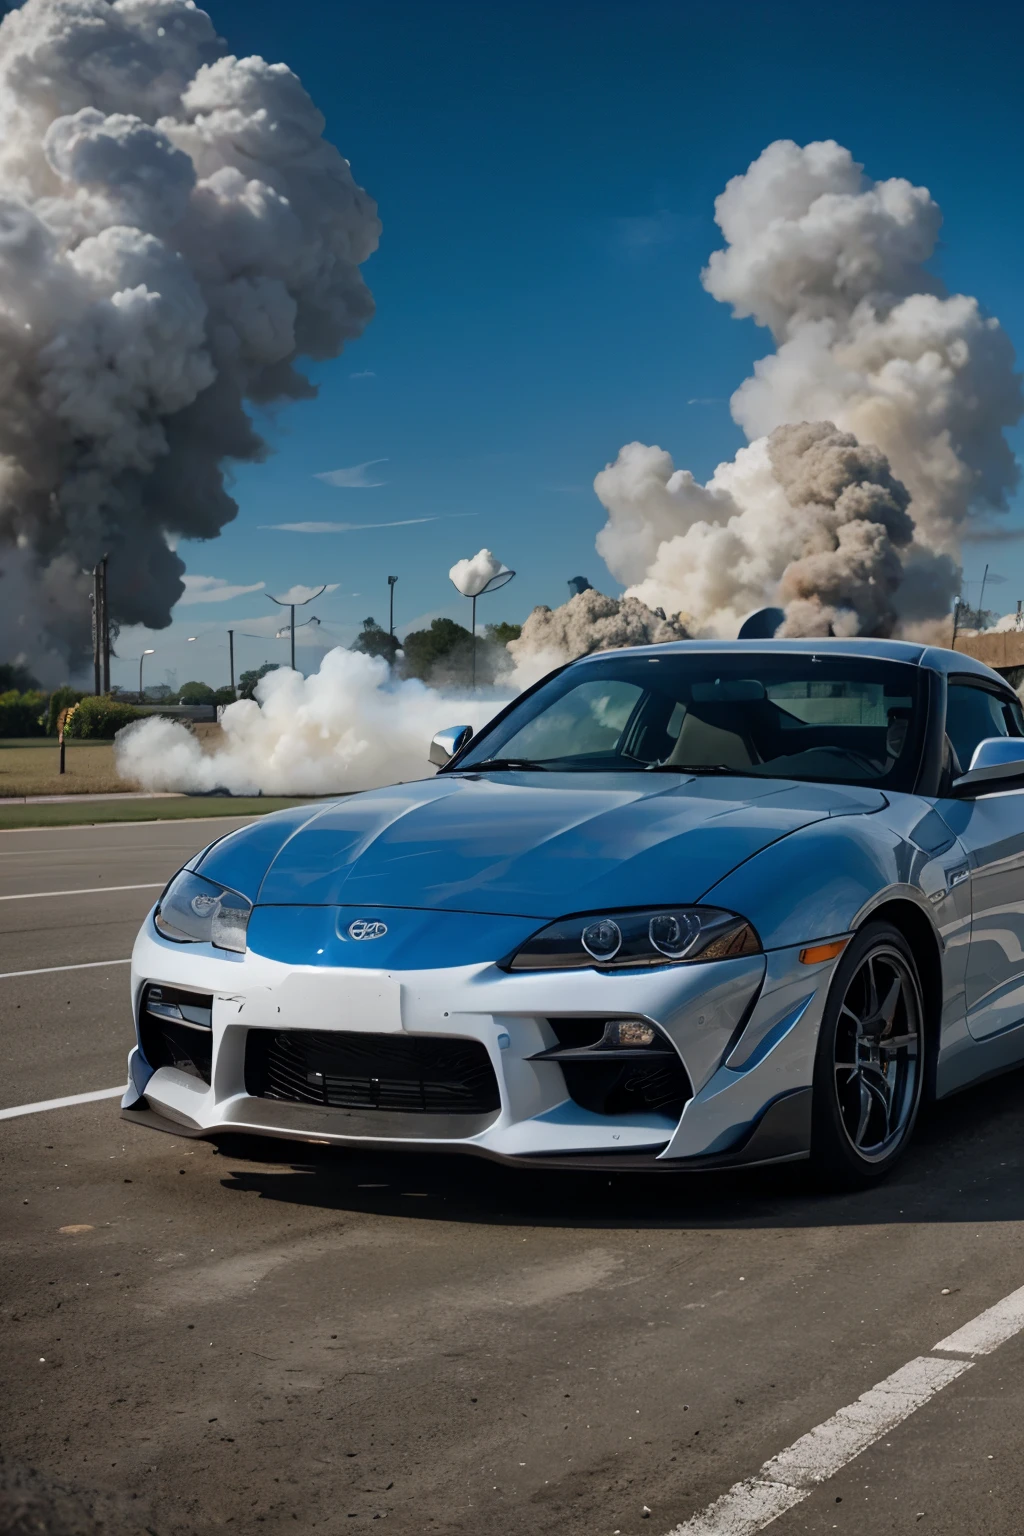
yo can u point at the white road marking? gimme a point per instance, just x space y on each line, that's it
791 1476
75 1098
988 1330
89 890
53 853
183 822
48 970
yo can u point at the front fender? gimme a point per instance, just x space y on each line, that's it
827 879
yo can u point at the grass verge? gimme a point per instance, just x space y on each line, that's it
94 812
31 768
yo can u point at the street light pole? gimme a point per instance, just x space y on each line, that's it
291 603
141 660
468 578
231 655
106 626
473 631
391 597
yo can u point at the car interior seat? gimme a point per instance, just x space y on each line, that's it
713 730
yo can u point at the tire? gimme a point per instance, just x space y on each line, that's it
870 1062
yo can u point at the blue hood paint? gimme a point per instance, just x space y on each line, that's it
415 940
532 845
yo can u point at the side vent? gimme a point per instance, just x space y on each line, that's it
619 1066
176 1029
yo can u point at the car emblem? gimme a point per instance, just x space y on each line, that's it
363 928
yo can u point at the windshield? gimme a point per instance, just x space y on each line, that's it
782 715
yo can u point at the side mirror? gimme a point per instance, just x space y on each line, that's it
997 764
451 740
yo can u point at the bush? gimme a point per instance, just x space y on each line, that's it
373 640
225 695
444 642
196 693
60 699
248 680
443 654
99 718
20 712
502 633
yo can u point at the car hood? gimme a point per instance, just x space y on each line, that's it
529 844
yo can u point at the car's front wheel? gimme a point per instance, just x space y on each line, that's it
870 1060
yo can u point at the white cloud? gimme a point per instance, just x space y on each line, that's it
365 373
354 478
213 589
404 522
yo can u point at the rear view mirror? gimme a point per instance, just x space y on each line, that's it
447 742
997 764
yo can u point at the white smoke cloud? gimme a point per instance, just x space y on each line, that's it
867 342
347 727
471 576
352 726
588 622
174 234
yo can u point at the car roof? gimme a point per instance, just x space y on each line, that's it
935 658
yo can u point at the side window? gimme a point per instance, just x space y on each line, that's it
973 714
589 719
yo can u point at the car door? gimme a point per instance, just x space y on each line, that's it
991 829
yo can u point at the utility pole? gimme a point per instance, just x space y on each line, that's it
105 626
981 599
231 655
97 631
100 628
391 598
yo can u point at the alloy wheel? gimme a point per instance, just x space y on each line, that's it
879 1050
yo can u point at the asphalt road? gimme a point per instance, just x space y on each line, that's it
264 1338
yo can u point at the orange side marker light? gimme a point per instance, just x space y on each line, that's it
816 953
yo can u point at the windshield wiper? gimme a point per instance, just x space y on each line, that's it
503 764
737 773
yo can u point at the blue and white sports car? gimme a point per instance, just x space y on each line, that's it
680 907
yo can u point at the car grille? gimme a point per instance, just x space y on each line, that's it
606 1087
175 1029
415 1073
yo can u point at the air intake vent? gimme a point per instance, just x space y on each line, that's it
619 1078
176 1029
414 1073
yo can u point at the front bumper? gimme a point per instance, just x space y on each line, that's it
744 1029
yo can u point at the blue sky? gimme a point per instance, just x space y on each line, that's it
546 175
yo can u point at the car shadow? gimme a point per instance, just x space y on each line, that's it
965 1164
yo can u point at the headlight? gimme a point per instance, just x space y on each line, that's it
197 911
624 940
